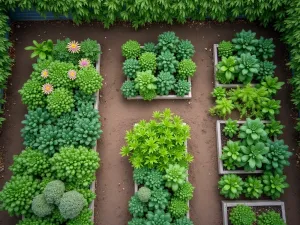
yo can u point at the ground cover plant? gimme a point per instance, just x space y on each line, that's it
52 176
158 69
157 152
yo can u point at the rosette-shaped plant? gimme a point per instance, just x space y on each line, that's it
146 83
128 89
84 218
270 108
53 192
182 88
271 84
167 62
71 204
149 47
183 221
253 187
40 207
270 218
154 179
242 215
185 50
175 176
76 165
265 48
227 69
231 128
274 128
60 101
223 107
17 194
185 192
58 75
90 49
32 95
136 207
159 199
144 194
39 70
147 61
219 93
247 66
266 68
137 221
131 67
31 162
274 184
278 156
165 83
168 41
48 141
178 208
231 186
186 68
225 49
131 49
245 42
158 217
231 155
253 131
140 175
89 80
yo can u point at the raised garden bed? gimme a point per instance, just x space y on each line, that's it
257 206
221 168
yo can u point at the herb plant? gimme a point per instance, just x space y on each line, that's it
165 83
89 80
185 50
60 101
178 208
175 176
266 68
227 69
271 84
274 184
137 208
231 155
182 88
253 187
247 66
147 61
158 217
149 47
186 68
184 192
245 42
145 82
253 131
270 218
167 62
225 49
231 128
219 93
131 49
128 89
265 48
168 41
274 128
242 214
42 50
223 107
131 67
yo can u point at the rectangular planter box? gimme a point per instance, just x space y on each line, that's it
221 168
136 187
217 83
230 204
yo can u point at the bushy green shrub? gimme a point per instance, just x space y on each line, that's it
248 67
175 176
32 95
76 165
232 155
128 89
167 62
137 208
131 49
60 51
219 93
40 206
144 194
131 67
53 191
165 83
159 199
265 48
140 175
84 218
270 218
225 49
253 187
266 68
222 108
158 217
271 84
82 98
168 41
17 194
90 49
274 184
186 68
38 67
183 221
231 128
253 131
178 208
154 179
149 47
58 75
147 61
185 191
182 87
185 50
145 82
245 42
60 101
242 214
137 221
71 204
47 141
231 186
89 80
274 128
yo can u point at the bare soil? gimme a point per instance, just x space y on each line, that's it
114 178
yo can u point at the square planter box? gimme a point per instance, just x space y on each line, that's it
230 204
221 168
136 187
217 83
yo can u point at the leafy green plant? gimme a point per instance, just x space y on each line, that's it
231 128
90 49
252 131
245 42
274 184
32 95
149 47
225 49
61 53
136 207
167 62
219 93
270 218
144 194
183 221
165 83
158 217
254 156
83 218
40 207
147 61
89 80
227 69
168 41
58 74
47 141
145 82
231 186
75 165
131 49
60 101
159 199
71 204
178 208
247 67
271 84
231 155
131 67
182 87
185 50
266 68
274 128
42 50
128 89
175 176
265 48
186 68
253 187
137 221
140 175
185 192
82 98
154 179
17 194
278 156
242 214
53 192
145 147
270 108
222 108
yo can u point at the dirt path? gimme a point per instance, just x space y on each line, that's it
114 179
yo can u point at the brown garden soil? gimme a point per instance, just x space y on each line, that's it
114 178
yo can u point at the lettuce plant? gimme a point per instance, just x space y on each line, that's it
147 61
186 69
40 207
136 207
270 108
60 101
165 83
71 204
178 208
131 49
245 42
131 67
89 80
252 131
175 176
184 192
219 93
231 155
225 49
182 87
266 68
145 147
168 41
185 50
271 84
222 108
90 49
231 128
159 199
247 67
253 187
270 218
274 128
265 48
158 217
274 184
128 89
58 74
167 62
149 47
242 214
227 69
231 186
